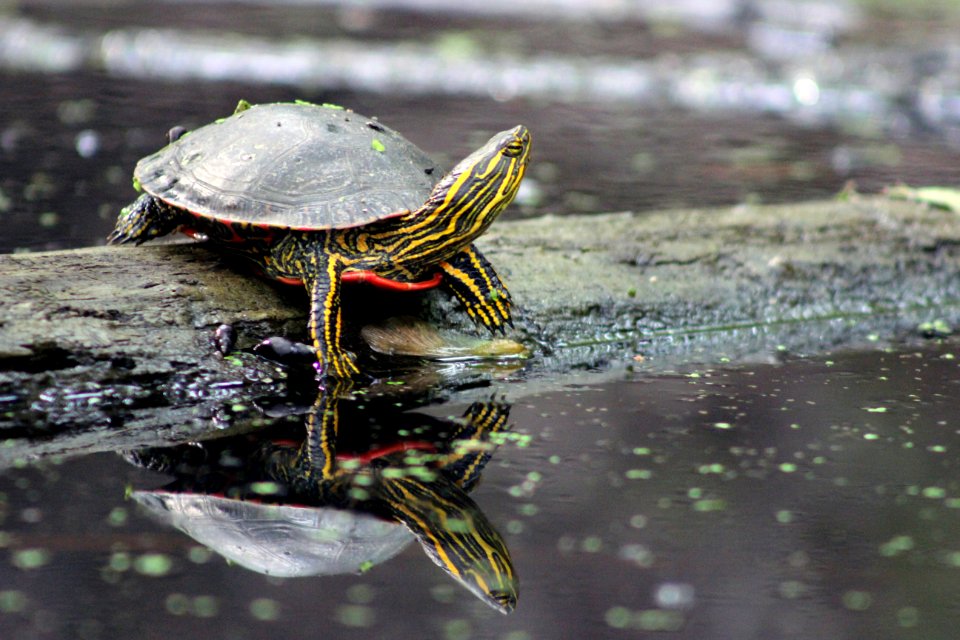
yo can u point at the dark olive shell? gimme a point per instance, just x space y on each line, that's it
299 166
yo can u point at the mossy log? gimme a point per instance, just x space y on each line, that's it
674 287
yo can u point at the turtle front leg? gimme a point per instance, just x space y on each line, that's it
314 463
145 219
325 322
473 280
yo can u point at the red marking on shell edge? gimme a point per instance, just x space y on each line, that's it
250 499
236 237
382 452
369 277
386 283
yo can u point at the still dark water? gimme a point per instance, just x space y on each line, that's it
802 498
809 499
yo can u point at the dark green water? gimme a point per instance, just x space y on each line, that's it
813 498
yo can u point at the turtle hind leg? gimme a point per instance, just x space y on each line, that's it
473 280
145 219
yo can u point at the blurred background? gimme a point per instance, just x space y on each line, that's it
633 105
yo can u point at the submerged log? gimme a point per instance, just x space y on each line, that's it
669 288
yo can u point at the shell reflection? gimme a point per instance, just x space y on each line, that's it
325 502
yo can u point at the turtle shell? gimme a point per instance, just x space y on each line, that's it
279 540
291 165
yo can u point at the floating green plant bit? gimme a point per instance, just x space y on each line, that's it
458 629
153 564
117 517
120 561
206 606
12 601
31 558
618 617
857 600
784 516
592 544
791 589
939 197
377 146
199 554
529 510
908 616
711 504
658 620
358 494
896 545
266 488
177 604
355 615
265 609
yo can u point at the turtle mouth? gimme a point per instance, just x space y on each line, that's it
505 601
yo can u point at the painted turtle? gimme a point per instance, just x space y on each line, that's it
321 195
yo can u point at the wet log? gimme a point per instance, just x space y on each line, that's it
673 287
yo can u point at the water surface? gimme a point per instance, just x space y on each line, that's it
811 498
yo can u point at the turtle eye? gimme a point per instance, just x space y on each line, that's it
513 149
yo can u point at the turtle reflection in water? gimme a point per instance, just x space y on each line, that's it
288 508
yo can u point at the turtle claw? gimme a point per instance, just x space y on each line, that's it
224 339
340 366
289 352
500 319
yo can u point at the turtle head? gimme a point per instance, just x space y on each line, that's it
483 183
